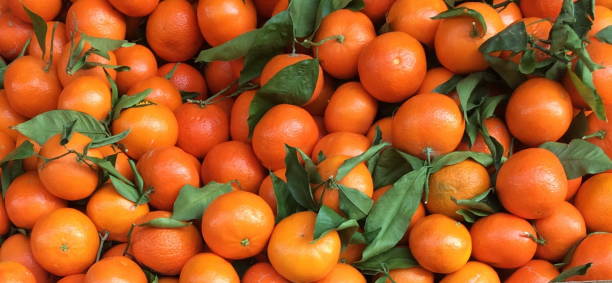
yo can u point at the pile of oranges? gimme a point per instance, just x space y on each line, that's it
349 141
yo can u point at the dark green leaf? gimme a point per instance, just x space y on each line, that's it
129 101
465 89
303 15
395 258
192 202
40 29
589 94
233 49
513 38
48 124
484 202
584 12
328 220
580 157
354 203
459 156
356 5
415 162
350 163
285 203
464 12
298 183
605 35
126 190
105 45
165 223
507 70
3 67
489 105
10 171
577 270
311 168
23 151
577 128
449 85
528 62
389 167
109 140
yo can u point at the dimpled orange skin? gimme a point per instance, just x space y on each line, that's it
27 200
10 46
497 130
142 65
163 92
509 14
201 128
440 244
47 9
167 170
151 126
135 8
66 177
117 250
165 250
208 267
262 272
98 71
596 249
459 33
7 144
572 187
115 269
111 212
29 89
542 8
86 94
223 20
350 109
13 272
343 273
502 240
340 143
384 125
415 18
65 242
358 179
237 225
233 161
592 201
532 183
535 271
239 127
281 61
220 74
95 18
473 271
532 107
185 78
411 275
339 57
438 127
59 42
390 61
377 9
283 124
172 31
561 230
17 248
8 116
434 78
294 254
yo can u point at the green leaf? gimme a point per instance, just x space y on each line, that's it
109 140
589 94
580 157
395 258
293 84
465 89
311 168
415 162
584 12
105 45
464 12
10 171
507 70
390 216
40 29
577 128
605 35
129 101
285 203
482 205
354 203
45 125
192 202
233 49
303 15
298 183
577 270
165 223
350 163
23 151
459 156
513 38
528 62
389 167
328 220
122 185
3 67
449 85
489 105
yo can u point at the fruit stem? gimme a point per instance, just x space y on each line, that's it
245 242
601 134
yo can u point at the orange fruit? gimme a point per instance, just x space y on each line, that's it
536 271
282 125
233 161
30 90
318 106
62 64
350 109
239 127
64 242
142 65
377 9
220 74
117 250
163 92
47 9
460 181
339 56
294 254
135 8
167 280
166 170
237 225
387 62
11 271
415 18
164 250
262 272
16 34
434 78
68 177
30 163
561 230
112 213
151 126
594 125
591 201
593 249
572 187
497 130
602 78
8 116
114 269
542 8
172 31
266 189
435 130
16 248
440 244
410 275
359 178
384 125
59 42
606 3
509 14
503 240
95 18
279 62
6 145
473 271
340 143
88 94
532 183
27 200
462 35
121 160
201 128
5 223
345 273
208 267
603 19
76 278
185 78
222 20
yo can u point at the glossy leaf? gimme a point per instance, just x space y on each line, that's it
298 183
45 125
285 203
580 157
350 163
463 12
459 156
577 270
129 101
395 258
605 35
328 220
354 203
192 202
165 223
